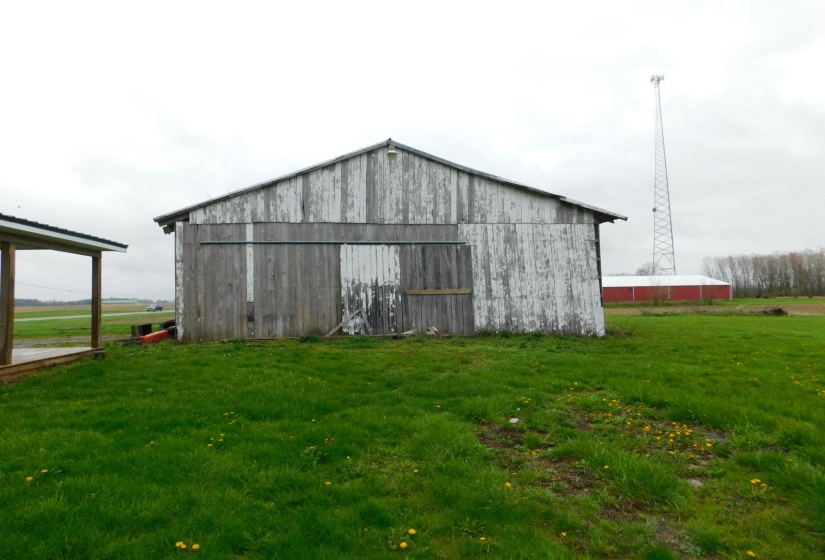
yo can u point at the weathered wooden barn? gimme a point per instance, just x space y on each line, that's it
618 289
385 240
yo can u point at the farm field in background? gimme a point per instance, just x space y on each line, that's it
677 436
76 331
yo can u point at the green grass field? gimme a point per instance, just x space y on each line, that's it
678 436
736 302
112 323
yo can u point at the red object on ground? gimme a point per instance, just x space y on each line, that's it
154 337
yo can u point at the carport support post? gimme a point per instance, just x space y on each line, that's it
97 300
6 302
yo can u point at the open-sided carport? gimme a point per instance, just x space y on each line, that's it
17 234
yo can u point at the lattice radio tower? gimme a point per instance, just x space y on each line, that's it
664 261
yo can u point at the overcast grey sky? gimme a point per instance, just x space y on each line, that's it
112 113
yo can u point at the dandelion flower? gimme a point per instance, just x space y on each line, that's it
328 483
29 479
752 554
564 533
507 484
403 544
196 546
45 470
607 466
411 531
482 539
180 544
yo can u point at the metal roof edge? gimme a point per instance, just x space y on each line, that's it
61 234
170 217
662 280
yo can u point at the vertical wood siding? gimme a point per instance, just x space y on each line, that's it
437 267
530 259
371 280
370 188
215 276
529 277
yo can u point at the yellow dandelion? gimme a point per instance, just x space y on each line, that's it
607 466
564 533
328 483
180 544
209 445
403 544
507 484
752 554
411 531
755 481
482 539
45 470
29 479
196 546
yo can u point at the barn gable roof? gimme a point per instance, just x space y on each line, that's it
182 214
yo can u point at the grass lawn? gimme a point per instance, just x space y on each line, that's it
110 325
679 436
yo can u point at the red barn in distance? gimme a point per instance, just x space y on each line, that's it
617 289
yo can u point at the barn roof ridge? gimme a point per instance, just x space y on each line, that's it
171 216
14 223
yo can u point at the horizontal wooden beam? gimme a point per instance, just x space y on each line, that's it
445 292
331 242
25 242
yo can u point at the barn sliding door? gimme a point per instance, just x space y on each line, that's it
407 287
371 281
437 282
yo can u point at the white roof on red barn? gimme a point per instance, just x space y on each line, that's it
657 281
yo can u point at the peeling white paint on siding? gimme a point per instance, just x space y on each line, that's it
355 202
250 265
371 280
179 279
534 277
410 189
323 202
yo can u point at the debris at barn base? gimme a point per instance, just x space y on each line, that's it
154 337
142 334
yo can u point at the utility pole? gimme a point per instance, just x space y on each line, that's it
664 261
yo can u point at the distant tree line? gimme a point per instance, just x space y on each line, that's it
780 274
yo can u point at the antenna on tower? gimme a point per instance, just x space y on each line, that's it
664 261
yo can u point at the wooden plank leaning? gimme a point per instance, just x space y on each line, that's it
362 312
